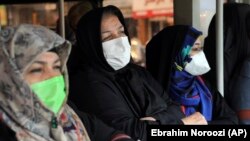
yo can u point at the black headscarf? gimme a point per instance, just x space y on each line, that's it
89 46
236 43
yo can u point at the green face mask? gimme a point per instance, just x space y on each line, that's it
51 92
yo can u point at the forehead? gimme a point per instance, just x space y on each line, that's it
47 56
110 22
199 41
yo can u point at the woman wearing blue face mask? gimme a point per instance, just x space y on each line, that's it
176 59
33 90
105 82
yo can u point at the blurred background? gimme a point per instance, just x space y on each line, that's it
144 18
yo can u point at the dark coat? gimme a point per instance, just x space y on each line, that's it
119 103
6 134
241 97
236 44
222 113
120 98
236 51
96 129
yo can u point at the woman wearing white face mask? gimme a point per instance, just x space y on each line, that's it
175 58
105 82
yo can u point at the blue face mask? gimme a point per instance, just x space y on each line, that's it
51 92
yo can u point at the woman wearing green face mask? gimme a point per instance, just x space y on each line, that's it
33 90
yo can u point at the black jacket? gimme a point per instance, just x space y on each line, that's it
6 134
236 45
240 93
222 113
122 100
96 129
236 57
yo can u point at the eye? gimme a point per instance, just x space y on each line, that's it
35 70
122 32
197 49
57 67
106 38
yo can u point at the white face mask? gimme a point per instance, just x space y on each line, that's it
117 52
198 64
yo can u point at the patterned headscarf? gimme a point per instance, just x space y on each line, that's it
20 108
189 90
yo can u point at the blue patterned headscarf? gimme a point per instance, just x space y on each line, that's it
190 91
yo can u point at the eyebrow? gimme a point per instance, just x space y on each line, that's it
110 31
121 27
197 43
42 62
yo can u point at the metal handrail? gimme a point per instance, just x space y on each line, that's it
219 46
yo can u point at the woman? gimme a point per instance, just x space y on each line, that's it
75 13
33 90
236 57
175 58
104 82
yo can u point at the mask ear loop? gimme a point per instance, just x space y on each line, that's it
178 67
